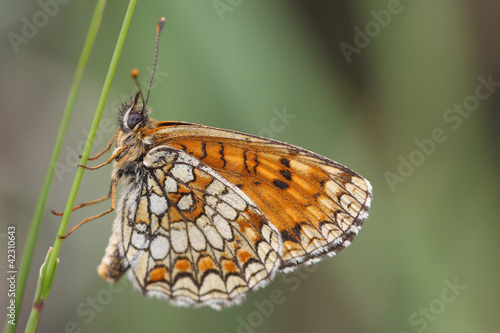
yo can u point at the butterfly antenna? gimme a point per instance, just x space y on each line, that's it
159 27
135 73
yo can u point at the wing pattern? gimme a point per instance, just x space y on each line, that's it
317 205
191 236
213 214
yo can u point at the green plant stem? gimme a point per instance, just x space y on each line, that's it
48 271
35 315
49 176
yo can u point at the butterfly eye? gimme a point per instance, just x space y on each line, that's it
134 119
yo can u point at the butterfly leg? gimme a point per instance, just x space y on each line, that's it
91 218
88 203
111 159
105 149
113 183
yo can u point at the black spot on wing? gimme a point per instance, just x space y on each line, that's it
282 185
245 160
221 152
204 150
256 163
285 162
292 234
286 174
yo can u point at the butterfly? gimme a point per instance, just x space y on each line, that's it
208 215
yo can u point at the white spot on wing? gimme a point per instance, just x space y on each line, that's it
178 237
185 202
332 189
196 238
211 201
183 172
227 211
171 185
223 227
139 240
235 200
158 205
215 188
159 247
210 232
209 211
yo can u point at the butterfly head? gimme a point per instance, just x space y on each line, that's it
133 114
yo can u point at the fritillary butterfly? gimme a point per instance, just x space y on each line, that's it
208 215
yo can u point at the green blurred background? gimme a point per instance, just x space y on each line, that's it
374 85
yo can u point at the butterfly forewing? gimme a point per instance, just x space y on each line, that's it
316 204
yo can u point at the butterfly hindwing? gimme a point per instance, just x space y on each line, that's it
191 236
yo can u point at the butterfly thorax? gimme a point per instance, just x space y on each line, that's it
132 143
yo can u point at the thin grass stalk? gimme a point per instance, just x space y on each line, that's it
48 270
40 208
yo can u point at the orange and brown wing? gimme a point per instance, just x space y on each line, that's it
316 204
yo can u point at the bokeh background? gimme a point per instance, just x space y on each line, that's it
375 85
